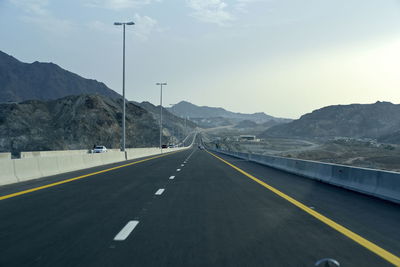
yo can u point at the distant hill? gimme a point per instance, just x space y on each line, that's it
74 122
212 122
185 108
176 126
213 117
380 120
246 124
392 138
43 81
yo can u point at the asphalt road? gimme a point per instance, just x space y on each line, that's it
208 214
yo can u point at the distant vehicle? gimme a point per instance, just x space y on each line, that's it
100 149
171 146
164 146
201 147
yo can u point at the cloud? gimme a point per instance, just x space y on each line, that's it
119 4
210 11
143 28
50 24
36 12
37 7
100 26
241 5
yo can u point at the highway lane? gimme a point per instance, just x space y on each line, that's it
208 215
6 190
373 218
61 225
224 219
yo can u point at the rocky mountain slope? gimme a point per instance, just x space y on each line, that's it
246 124
175 125
380 120
43 81
74 122
188 109
209 117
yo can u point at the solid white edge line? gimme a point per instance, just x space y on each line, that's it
160 191
171 177
125 232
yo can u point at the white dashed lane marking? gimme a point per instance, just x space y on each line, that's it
160 191
126 231
171 177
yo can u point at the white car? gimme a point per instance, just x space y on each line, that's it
100 149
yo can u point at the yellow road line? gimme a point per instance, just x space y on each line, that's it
80 177
343 230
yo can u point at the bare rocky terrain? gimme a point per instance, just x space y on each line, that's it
44 107
363 135
210 117
74 122
354 153
379 121
21 81
175 126
346 151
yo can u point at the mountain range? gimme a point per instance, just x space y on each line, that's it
380 121
176 126
212 116
47 107
74 122
44 107
43 81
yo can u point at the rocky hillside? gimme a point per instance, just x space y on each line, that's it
43 81
380 120
174 125
190 110
246 124
74 122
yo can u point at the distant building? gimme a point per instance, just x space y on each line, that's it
248 138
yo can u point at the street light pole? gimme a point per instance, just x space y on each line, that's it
123 80
161 86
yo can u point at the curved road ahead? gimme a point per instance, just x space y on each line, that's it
191 209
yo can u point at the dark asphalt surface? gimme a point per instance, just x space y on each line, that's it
209 215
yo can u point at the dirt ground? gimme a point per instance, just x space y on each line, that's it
352 152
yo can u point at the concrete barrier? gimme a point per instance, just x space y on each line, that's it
72 163
53 153
134 153
151 151
27 169
48 166
389 185
46 163
378 183
92 160
67 163
112 157
7 173
5 156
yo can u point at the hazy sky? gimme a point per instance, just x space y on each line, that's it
283 57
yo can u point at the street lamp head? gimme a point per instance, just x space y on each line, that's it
124 23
